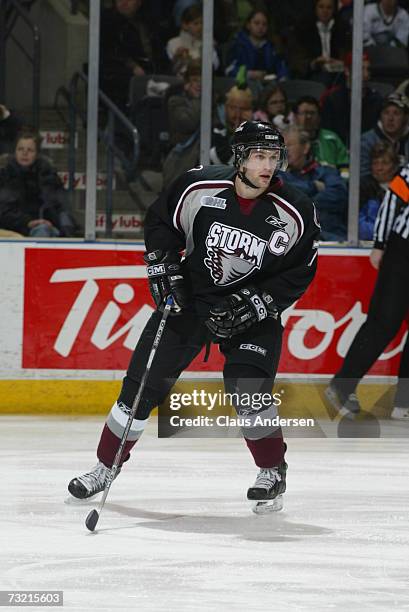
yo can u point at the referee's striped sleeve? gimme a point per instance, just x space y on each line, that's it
384 220
397 193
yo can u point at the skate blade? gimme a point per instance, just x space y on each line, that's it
268 506
76 501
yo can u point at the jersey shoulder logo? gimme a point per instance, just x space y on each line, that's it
232 253
213 202
272 220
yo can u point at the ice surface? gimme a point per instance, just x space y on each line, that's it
178 534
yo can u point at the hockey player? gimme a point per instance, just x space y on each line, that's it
250 248
388 308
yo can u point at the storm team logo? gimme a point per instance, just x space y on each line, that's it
232 253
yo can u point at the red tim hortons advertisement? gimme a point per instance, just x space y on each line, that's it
84 309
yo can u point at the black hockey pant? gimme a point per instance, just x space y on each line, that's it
251 356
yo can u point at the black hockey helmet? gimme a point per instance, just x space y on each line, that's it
257 135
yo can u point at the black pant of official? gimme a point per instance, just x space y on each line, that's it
387 310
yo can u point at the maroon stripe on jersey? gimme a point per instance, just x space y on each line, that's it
195 187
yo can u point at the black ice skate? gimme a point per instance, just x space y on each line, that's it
92 482
266 493
346 406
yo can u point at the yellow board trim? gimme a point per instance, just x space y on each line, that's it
95 397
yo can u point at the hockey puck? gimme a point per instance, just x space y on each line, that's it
92 520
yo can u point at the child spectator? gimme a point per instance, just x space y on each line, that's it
188 45
384 166
385 23
273 106
322 184
32 196
178 8
253 49
392 127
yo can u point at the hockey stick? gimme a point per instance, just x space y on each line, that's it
93 517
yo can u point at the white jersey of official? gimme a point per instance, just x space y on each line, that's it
393 214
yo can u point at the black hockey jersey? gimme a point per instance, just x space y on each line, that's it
274 248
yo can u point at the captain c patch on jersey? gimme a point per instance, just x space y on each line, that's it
232 253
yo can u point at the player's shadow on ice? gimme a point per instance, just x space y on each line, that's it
247 526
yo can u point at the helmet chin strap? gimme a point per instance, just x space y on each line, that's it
242 176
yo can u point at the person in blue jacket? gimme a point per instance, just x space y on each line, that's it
253 49
324 185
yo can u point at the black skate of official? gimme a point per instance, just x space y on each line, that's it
347 405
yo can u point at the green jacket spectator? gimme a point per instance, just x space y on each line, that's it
327 147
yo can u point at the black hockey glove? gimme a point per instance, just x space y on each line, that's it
165 276
239 311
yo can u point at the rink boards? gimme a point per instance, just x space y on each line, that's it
71 312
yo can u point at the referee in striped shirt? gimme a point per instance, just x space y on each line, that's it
388 307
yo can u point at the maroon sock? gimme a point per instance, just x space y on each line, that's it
108 446
267 452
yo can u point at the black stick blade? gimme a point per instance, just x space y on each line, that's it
92 520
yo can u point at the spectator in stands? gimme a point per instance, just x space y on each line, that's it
385 23
32 196
184 124
273 106
184 106
178 8
373 186
253 49
224 17
327 147
188 45
10 124
336 102
392 127
317 47
238 107
128 47
321 183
